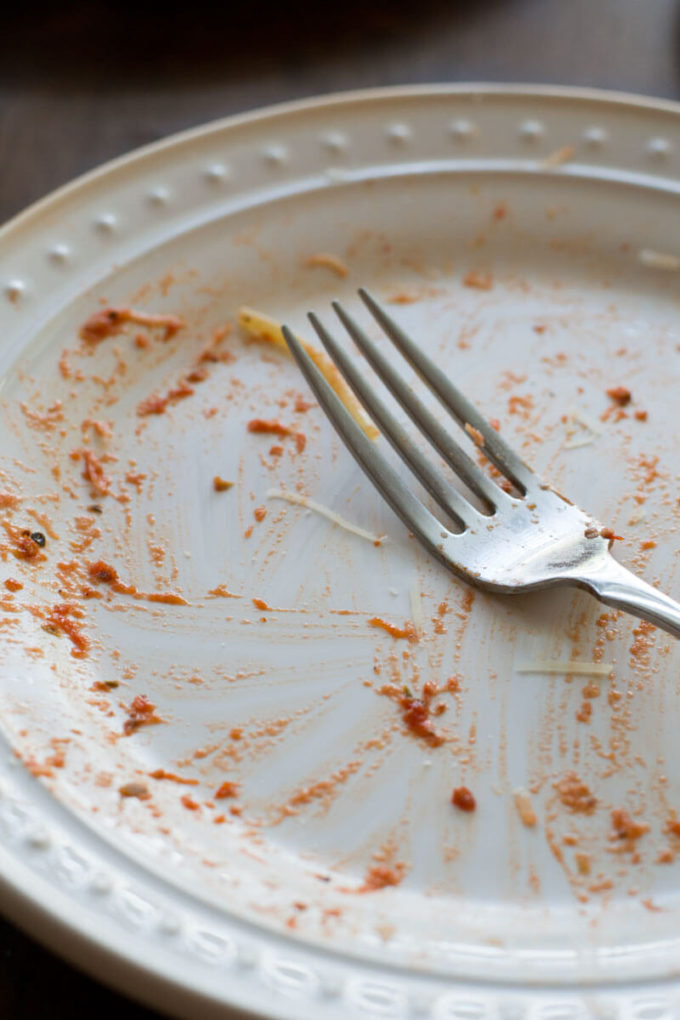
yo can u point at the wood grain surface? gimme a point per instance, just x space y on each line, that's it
82 83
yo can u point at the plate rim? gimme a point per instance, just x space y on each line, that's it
139 154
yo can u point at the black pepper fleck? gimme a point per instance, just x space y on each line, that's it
38 538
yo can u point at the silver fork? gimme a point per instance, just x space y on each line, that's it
524 540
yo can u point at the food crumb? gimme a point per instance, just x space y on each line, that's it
463 799
480 281
582 864
525 808
138 790
559 157
380 877
162 774
141 712
474 434
325 260
575 796
226 790
107 322
408 631
626 831
621 395
221 485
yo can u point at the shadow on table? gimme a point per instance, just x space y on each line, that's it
120 42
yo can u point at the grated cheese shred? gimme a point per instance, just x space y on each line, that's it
573 668
324 511
524 807
581 429
416 602
659 260
261 327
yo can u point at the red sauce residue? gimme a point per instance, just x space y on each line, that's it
111 321
227 790
416 717
261 604
644 639
162 774
463 799
481 281
672 826
106 686
474 434
63 619
322 790
301 405
23 546
380 876
621 395
157 404
575 795
610 535
222 592
140 713
407 631
259 513
273 427
520 404
8 500
626 832
277 428
500 211
416 713
189 803
12 585
166 598
103 573
94 473
641 416
213 353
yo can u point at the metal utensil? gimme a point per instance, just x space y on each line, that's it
528 538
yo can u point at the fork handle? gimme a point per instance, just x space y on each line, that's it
617 587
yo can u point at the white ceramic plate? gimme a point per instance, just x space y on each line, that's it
547 197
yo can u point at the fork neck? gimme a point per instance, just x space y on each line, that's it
615 586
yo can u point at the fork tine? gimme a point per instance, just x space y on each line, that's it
415 516
447 497
440 437
495 448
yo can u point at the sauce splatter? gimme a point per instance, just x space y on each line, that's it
140 713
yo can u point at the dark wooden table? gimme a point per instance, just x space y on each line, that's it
82 83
